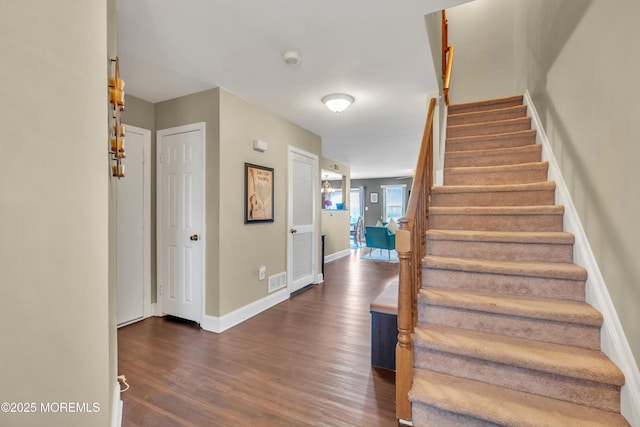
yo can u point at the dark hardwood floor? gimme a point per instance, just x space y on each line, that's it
304 362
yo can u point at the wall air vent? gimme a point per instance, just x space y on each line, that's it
277 281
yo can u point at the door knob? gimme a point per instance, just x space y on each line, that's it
194 237
293 231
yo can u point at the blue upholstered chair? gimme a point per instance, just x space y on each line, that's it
380 238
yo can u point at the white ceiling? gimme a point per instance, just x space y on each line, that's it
377 51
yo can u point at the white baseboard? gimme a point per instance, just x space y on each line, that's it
336 255
319 278
229 320
116 404
613 340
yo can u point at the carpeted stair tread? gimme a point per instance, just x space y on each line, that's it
502 168
559 359
491 114
534 246
489 128
494 157
528 194
546 237
494 141
555 270
531 186
497 218
497 210
523 306
490 104
502 406
521 173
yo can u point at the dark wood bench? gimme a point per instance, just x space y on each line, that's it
384 327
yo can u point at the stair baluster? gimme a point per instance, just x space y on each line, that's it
411 247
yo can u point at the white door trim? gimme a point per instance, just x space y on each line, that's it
201 126
316 223
146 266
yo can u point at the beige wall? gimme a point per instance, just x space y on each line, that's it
343 169
56 322
578 60
234 250
245 247
334 224
335 228
433 23
114 390
483 66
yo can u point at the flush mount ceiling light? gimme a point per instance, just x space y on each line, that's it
337 102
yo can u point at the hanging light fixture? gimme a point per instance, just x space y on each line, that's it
326 187
338 102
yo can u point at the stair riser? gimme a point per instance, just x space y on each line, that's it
501 251
489 142
493 104
490 128
494 198
543 330
582 392
498 159
493 177
424 415
542 222
486 115
505 284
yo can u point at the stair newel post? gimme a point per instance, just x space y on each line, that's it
406 321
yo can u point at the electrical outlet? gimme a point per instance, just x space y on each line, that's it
262 272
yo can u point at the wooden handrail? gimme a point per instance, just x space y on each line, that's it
447 58
411 248
447 75
411 242
445 41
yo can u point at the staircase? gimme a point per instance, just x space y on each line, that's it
504 335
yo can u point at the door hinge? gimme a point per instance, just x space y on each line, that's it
160 289
161 159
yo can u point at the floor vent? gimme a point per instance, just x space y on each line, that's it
277 281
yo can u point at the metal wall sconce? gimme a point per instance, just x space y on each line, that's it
116 98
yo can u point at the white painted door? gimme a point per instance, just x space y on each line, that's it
180 217
302 241
132 219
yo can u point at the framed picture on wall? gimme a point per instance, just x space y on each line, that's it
373 197
258 193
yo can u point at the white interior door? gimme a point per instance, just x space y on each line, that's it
180 217
133 242
302 241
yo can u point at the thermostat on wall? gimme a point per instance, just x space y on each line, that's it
260 145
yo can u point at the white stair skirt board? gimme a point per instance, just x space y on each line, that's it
613 340
229 320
